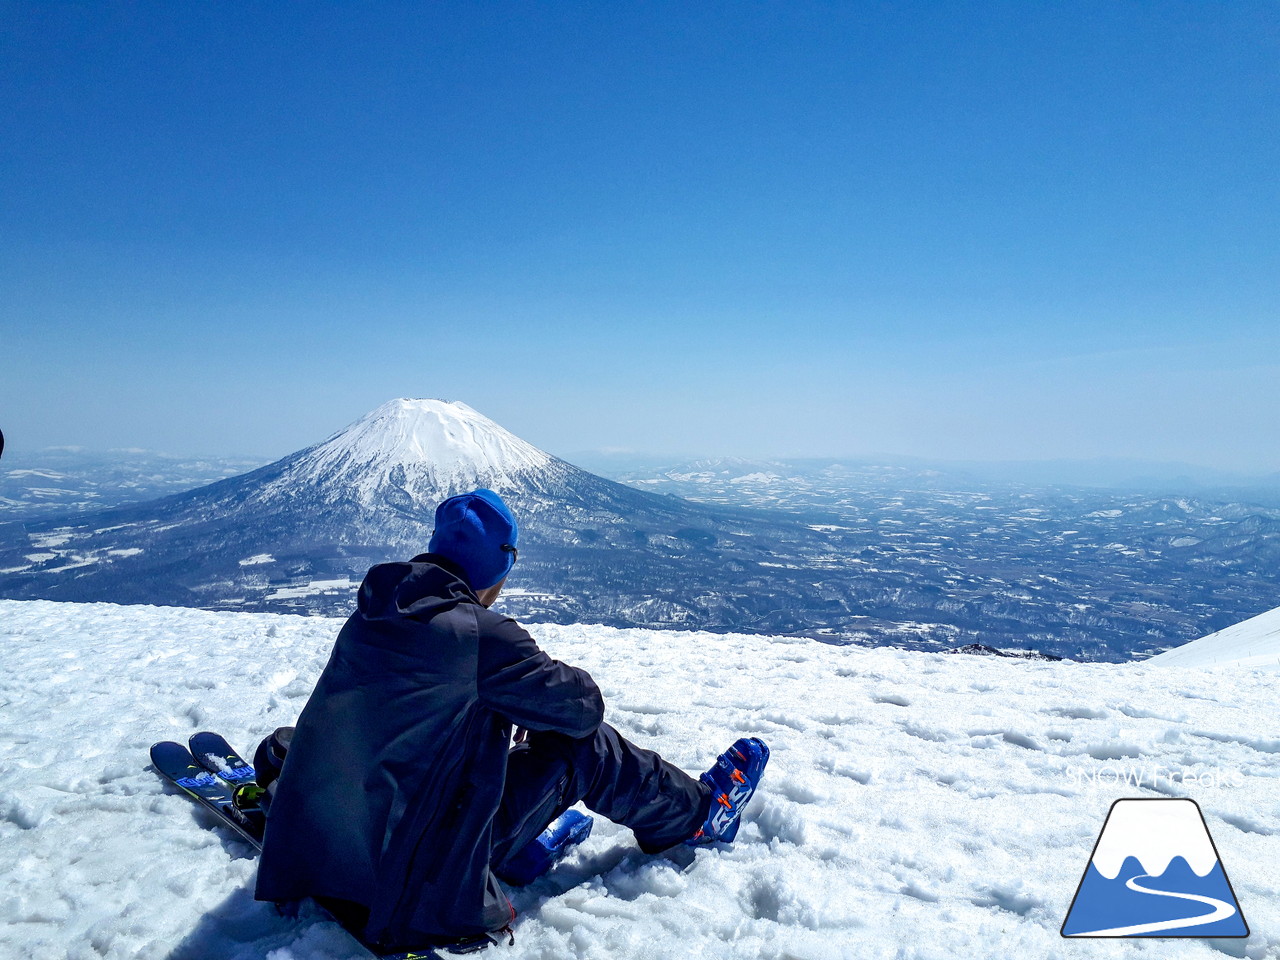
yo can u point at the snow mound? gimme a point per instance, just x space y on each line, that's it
916 805
429 445
1253 643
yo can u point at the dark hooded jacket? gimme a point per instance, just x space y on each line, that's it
397 765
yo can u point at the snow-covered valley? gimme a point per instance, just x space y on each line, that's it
843 552
917 805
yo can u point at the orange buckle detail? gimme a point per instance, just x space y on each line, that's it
737 777
724 801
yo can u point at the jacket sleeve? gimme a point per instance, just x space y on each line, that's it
520 682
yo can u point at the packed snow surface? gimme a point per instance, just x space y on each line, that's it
915 805
1251 643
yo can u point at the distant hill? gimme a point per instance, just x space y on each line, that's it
57 481
1127 476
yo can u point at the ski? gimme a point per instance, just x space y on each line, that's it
216 755
211 772
176 764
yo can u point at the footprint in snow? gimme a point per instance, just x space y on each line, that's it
897 699
1248 824
1078 713
1007 898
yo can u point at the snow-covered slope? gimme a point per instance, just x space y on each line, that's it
1254 643
424 447
915 806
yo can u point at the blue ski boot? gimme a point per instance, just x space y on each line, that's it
732 780
544 850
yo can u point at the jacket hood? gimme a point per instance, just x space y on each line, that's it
421 588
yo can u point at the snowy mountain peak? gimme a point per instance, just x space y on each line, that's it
419 445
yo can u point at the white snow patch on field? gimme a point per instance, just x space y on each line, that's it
49 493
916 805
50 541
531 595
75 564
313 587
44 474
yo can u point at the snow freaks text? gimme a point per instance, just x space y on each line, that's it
1153 776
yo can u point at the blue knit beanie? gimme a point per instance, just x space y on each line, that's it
478 533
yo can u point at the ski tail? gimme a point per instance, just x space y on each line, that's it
176 764
213 775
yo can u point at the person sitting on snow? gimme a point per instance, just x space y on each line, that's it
401 800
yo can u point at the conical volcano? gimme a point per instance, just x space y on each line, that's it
424 449
299 534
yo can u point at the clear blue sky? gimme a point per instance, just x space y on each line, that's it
961 230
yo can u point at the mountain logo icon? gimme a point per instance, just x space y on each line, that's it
1154 872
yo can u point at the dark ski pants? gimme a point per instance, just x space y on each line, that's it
549 772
